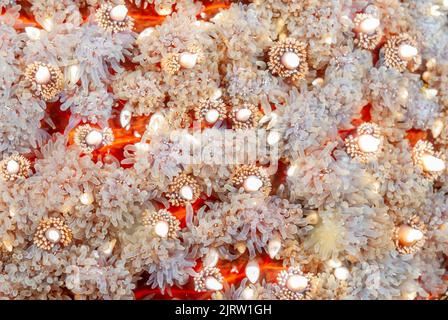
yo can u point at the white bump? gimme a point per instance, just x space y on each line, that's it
108 247
431 63
434 11
407 52
317 82
334 263
243 114
328 39
426 76
188 60
32 33
437 127
403 93
212 116
216 94
408 285
248 294
290 60
186 192
312 218
145 33
118 13
369 25
368 143
291 170
241 247
212 257
252 271
212 284
273 137
125 118
341 273
274 246
94 138
86 198
53 235
409 295
161 229
13 167
376 186
48 24
156 123
432 164
408 290
415 235
252 183
8 245
142 147
430 93
217 17
164 10
297 283
43 75
407 235
73 73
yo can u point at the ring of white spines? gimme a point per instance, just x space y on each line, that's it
163 223
211 110
245 116
183 189
187 59
114 18
293 284
90 139
46 80
14 167
409 236
401 53
366 143
368 31
431 162
251 178
288 59
208 279
52 232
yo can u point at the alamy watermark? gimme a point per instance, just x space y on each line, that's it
211 146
